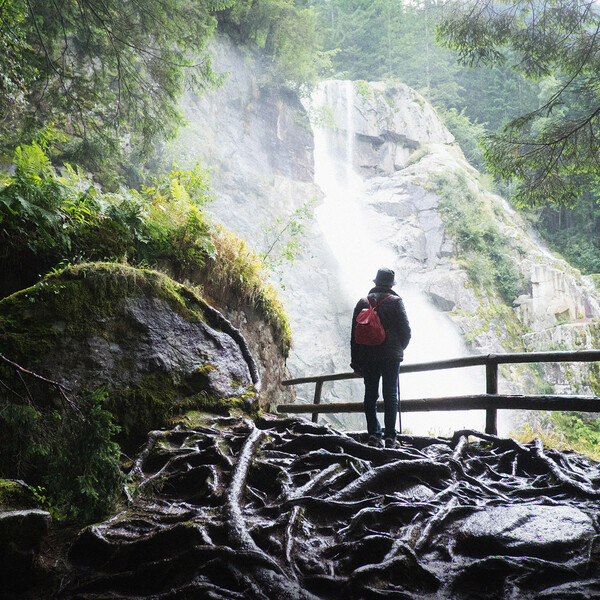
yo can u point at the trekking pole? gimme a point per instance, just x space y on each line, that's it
399 411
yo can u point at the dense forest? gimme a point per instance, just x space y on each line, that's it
100 82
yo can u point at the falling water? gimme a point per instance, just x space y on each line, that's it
350 232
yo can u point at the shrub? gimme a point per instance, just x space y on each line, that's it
61 445
481 245
238 268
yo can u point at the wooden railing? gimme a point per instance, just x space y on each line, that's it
491 401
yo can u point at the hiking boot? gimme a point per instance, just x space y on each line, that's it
375 441
392 443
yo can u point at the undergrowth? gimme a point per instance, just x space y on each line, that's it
65 452
566 431
48 221
483 249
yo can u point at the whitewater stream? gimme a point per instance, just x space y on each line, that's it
350 229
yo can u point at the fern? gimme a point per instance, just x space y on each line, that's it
31 163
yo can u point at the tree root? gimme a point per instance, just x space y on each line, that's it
294 510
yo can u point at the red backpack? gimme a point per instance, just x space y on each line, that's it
369 331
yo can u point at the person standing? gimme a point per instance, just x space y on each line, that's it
381 362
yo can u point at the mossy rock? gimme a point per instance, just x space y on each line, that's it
16 495
153 343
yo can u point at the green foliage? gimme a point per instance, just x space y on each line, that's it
553 436
383 39
180 229
283 239
466 133
285 32
101 70
482 246
47 220
573 232
83 476
364 90
580 431
552 149
239 270
64 450
16 73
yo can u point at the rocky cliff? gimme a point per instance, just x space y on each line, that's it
261 145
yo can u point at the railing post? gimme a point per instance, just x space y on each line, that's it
317 400
491 387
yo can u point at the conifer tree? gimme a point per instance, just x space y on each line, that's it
552 150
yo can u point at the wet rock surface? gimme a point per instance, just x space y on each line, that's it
284 508
21 534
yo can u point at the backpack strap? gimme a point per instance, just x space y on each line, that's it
377 304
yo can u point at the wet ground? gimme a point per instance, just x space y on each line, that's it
286 509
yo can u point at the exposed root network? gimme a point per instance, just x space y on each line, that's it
286 509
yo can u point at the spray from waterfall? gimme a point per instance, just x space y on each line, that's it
350 230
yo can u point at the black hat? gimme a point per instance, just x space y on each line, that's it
385 278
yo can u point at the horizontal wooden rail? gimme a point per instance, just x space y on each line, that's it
491 401
477 401
468 361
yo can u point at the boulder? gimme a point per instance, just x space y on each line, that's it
550 532
16 495
21 534
151 342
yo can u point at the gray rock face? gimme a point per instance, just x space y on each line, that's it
144 337
245 127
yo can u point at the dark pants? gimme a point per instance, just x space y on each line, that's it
387 371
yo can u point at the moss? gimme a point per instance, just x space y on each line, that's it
418 154
496 316
77 301
205 369
239 274
246 403
144 407
219 406
16 495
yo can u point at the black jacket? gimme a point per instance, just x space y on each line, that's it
395 322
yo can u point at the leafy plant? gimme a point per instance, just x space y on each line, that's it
63 447
48 220
484 249
283 238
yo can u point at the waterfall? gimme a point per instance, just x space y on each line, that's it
350 231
